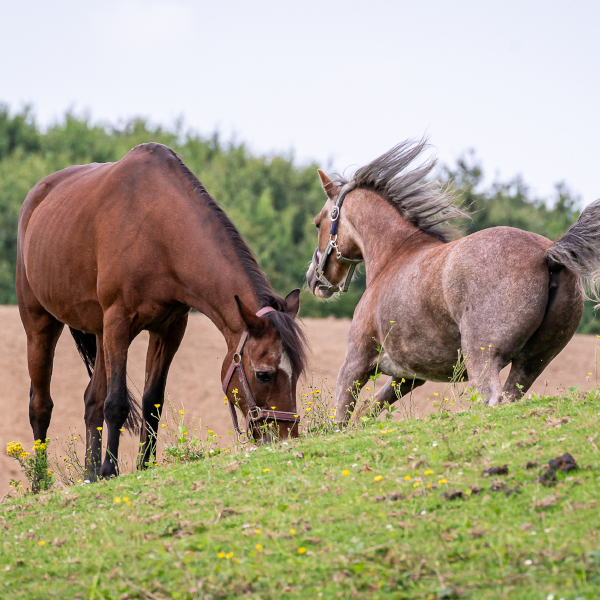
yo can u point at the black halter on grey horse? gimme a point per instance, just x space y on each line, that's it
499 296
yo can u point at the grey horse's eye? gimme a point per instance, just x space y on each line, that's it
263 376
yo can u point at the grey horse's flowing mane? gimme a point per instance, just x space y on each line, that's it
423 202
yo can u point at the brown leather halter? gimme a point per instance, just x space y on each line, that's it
255 412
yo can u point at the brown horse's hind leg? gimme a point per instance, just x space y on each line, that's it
43 331
95 395
560 322
117 337
161 351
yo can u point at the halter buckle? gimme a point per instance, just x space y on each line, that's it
254 413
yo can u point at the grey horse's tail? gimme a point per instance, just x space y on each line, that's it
579 251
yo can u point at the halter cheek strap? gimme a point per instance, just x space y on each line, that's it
255 412
320 265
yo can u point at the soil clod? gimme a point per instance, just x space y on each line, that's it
503 470
565 463
452 494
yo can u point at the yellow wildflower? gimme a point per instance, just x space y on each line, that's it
266 470
258 547
292 531
221 555
428 472
407 477
442 481
416 484
42 543
345 473
302 550
117 500
229 555
378 478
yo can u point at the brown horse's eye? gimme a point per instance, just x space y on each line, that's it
263 376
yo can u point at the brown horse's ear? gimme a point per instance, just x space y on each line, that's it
254 324
292 302
328 185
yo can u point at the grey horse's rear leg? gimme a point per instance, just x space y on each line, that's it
483 368
388 394
563 313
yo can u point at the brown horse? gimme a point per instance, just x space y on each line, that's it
113 249
500 296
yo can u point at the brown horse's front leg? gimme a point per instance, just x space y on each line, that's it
161 351
117 337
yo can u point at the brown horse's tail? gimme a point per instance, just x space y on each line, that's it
86 345
579 251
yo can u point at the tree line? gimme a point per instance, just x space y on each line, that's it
271 199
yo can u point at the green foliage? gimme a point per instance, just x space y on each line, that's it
271 200
395 510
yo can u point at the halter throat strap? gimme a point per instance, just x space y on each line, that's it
255 412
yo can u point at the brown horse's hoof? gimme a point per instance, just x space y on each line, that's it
108 470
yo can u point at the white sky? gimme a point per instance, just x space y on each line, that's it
335 81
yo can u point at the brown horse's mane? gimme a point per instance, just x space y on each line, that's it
291 334
423 202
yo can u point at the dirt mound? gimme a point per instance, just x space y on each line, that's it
194 377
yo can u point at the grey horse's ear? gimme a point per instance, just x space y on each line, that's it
292 302
328 185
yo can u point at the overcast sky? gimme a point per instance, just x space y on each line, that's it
338 82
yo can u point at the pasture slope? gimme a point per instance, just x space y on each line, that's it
391 510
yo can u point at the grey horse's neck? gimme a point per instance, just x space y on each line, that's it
380 232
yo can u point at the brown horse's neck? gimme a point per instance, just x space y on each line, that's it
380 232
212 273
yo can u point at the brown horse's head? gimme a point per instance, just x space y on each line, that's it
273 359
335 271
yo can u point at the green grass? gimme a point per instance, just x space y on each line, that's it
234 525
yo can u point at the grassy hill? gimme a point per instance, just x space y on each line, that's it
391 510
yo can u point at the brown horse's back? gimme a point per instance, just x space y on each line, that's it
78 224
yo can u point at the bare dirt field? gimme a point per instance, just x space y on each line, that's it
194 377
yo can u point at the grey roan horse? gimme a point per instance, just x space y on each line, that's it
501 295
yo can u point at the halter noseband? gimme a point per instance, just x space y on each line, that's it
320 266
255 412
